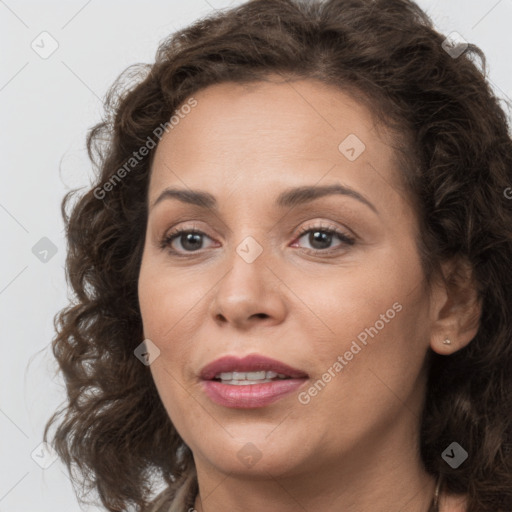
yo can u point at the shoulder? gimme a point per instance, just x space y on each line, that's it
178 498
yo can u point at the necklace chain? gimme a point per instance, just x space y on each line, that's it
435 501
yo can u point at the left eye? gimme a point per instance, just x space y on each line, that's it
319 237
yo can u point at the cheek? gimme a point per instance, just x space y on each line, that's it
170 302
168 316
375 317
366 300
372 365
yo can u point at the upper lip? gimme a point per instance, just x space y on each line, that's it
249 363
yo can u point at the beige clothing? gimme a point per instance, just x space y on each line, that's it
183 500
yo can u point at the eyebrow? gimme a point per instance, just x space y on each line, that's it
287 199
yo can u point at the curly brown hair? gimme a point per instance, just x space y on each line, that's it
456 160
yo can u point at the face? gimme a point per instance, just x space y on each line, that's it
327 285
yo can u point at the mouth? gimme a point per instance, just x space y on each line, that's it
249 382
250 369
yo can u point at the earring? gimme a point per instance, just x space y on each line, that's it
447 341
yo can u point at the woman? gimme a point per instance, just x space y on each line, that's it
293 273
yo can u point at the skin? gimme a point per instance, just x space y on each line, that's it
355 444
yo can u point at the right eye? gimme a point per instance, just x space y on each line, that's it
189 239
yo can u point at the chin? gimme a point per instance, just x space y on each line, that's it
256 453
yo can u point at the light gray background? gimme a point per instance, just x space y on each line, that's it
47 106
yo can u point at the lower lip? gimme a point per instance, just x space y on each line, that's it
252 395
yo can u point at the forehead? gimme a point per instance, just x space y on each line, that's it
273 132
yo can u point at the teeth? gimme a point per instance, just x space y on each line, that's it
244 378
245 382
238 376
256 375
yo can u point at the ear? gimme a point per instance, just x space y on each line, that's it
455 308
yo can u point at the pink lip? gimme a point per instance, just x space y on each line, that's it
253 395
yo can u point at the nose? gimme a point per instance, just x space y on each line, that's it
249 294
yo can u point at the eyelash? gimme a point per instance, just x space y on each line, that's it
166 242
